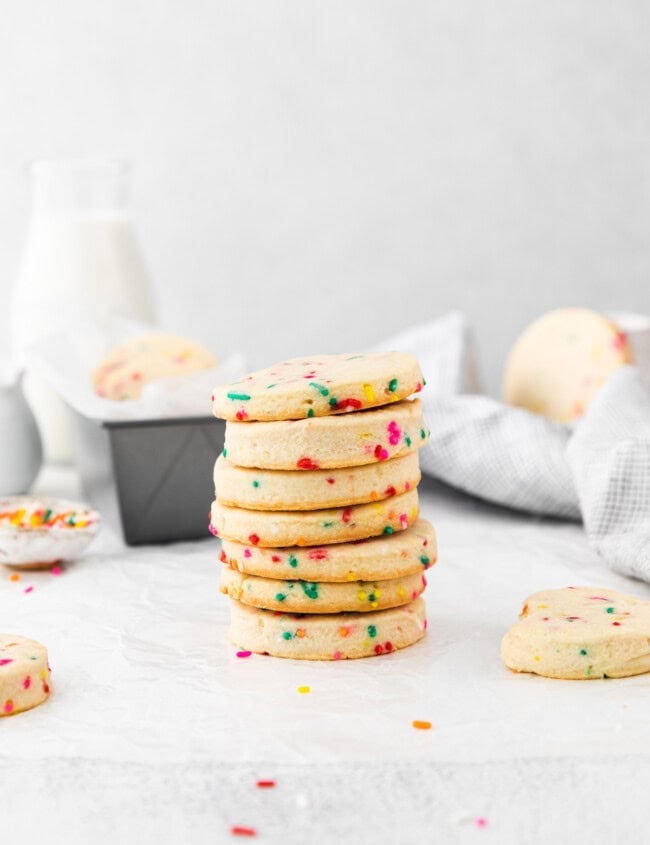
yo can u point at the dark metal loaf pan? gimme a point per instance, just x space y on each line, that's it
151 478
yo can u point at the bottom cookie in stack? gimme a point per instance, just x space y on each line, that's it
349 600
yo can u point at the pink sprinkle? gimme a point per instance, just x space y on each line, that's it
425 624
27 682
244 653
598 598
5 661
56 570
213 530
28 589
380 453
9 706
337 655
394 433
480 821
247 553
403 520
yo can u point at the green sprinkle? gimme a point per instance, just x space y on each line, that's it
372 631
328 524
424 559
320 388
388 529
407 440
239 397
353 357
392 385
47 515
372 597
423 433
33 658
225 453
280 596
256 484
269 386
310 412
286 635
588 671
583 651
610 610
424 382
310 590
334 402
293 561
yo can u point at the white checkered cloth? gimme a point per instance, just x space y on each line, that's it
599 471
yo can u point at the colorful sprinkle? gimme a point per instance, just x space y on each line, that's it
330 480
320 388
388 529
225 453
254 539
238 397
346 515
583 651
265 784
14 576
293 561
394 433
244 653
424 560
380 453
304 690
306 463
5 661
609 610
27 682
310 590
372 630
9 706
56 570
28 589
392 385
239 830
369 392
421 725
286 635
280 596
480 821
407 440
423 434
310 412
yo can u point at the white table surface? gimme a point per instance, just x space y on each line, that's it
156 732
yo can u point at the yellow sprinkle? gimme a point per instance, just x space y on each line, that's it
401 592
373 604
369 392
377 593
361 595
43 673
351 576
303 690
537 657
540 606
394 397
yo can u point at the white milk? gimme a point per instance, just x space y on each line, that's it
80 259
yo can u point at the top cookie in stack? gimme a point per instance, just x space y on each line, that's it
332 496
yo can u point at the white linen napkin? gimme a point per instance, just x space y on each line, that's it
598 471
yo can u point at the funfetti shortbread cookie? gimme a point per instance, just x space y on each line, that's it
334 636
580 633
319 386
388 556
269 489
24 674
320 596
350 440
561 361
313 528
134 363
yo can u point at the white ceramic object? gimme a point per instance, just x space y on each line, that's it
39 546
21 453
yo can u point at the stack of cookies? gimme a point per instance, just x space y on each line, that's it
317 507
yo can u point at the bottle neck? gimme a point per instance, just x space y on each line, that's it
79 186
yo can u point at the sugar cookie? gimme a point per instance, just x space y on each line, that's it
24 674
313 528
276 489
328 442
127 368
320 596
388 556
562 360
319 386
580 633
333 636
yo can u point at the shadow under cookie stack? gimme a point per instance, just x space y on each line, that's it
317 507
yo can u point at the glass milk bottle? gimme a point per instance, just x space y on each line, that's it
80 259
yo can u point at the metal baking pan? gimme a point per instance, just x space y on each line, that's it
151 479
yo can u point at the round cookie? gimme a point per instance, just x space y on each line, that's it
334 636
328 442
319 386
561 361
312 528
127 368
269 489
580 633
320 596
24 674
389 556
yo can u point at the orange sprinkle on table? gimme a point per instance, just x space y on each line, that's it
420 725
14 576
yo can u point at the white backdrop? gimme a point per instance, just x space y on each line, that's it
313 175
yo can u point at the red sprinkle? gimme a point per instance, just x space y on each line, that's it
347 403
379 649
616 623
254 539
330 480
390 491
346 515
317 554
306 463
27 682
238 830
380 453
275 558
222 557
266 784
388 646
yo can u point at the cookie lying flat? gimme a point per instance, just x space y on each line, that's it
580 633
24 674
329 636
561 361
319 386
313 528
269 489
328 442
131 365
320 596
388 556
